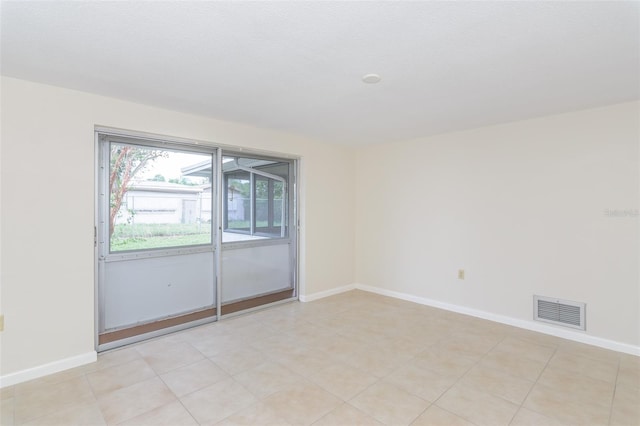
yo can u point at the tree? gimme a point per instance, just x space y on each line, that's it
126 161
158 178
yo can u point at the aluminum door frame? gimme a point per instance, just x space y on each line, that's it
101 187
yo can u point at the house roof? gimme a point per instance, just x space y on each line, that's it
158 186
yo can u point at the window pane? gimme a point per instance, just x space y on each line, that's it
263 204
158 198
278 204
238 202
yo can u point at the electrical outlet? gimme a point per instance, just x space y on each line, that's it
461 274
1 322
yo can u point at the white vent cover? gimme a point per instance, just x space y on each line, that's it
560 312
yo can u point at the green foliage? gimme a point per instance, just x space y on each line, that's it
185 181
126 162
158 235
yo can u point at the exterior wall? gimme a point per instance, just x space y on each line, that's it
164 207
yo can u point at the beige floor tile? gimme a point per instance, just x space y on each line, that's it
376 361
526 417
172 414
267 378
302 403
6 411
560 406
305 361
577 387
50 398
473 347
422 383
521 348
596 369
192 377
477 407
525 368
276 345
443 362
389 404
6 392
498 383
347 414
408 347
296 363
166 355
252 331
115 357
129 402
342 380
258 413
234 322
204 332
119 376
436 416
342 347
629 371
367 334
536 338
238 360
626 406
52 379
307 330
83 414
218 401
589 351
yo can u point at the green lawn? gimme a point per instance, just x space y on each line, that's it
151 235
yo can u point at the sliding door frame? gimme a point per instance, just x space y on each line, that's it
218 149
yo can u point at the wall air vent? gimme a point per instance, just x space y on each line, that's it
560 312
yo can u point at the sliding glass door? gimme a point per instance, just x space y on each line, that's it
187 233
258 238
156 238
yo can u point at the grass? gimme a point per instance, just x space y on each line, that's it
159 235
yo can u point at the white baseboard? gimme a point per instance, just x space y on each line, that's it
46 369
327 293
527 325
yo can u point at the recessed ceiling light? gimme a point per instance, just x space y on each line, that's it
371 78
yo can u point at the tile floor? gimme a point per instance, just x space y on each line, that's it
352 359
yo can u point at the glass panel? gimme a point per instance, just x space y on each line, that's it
264 203
158 198
142 290
278 204
253 271
238 202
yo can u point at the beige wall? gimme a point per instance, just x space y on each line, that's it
47 252
521 207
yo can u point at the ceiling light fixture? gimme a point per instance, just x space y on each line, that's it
371 78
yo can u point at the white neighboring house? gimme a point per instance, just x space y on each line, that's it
235 205
165 202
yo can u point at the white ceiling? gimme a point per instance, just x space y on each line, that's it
296 66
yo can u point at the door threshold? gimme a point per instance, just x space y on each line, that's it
125 333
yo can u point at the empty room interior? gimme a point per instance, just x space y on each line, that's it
320 213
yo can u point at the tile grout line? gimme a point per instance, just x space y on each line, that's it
535 383
615 390
463 375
